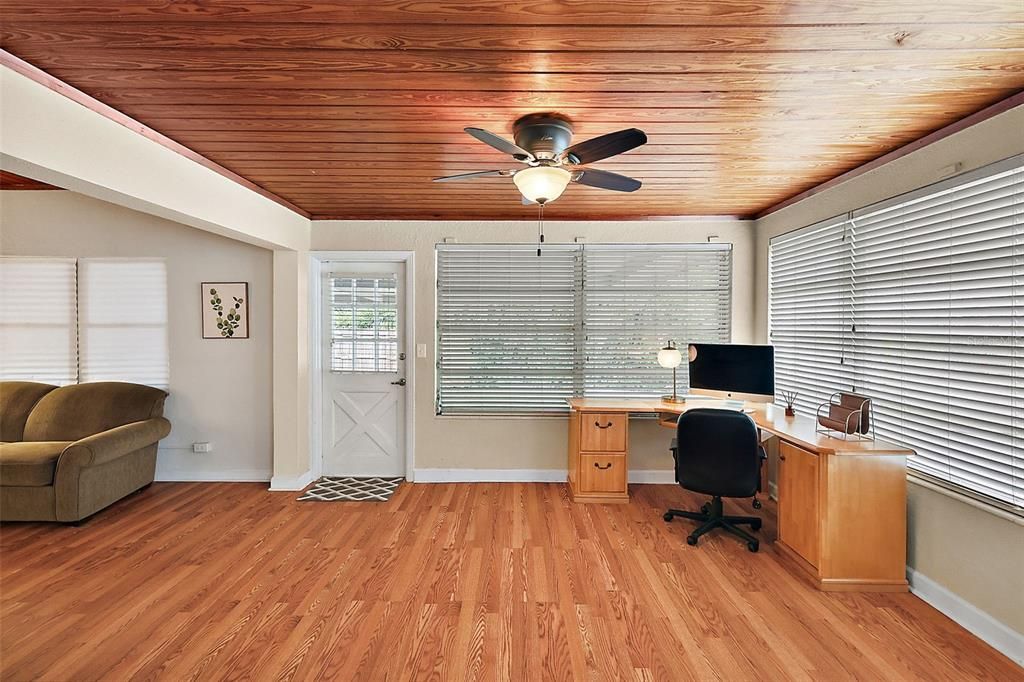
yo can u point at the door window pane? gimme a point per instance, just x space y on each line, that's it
364 323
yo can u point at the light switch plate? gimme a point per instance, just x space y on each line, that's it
202 447
421 350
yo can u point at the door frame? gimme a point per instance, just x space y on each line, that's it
319 263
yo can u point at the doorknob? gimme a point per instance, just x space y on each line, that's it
400 382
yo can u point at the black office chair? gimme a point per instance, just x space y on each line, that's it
717 453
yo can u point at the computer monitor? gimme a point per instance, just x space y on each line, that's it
732 371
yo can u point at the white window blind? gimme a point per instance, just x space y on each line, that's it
936 336
638 297
38 336
364 323
811 312
506 328
123 321
518 333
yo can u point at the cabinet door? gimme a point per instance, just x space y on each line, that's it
798 501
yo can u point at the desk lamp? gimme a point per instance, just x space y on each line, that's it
669 357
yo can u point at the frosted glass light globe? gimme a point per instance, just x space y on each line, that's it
542 184
669 357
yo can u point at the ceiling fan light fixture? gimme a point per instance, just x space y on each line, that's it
542 184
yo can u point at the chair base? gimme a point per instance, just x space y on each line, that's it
712 516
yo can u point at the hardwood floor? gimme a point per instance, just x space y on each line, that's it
464 581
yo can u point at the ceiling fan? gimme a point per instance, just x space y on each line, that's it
542 143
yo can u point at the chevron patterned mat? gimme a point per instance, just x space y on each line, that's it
349 489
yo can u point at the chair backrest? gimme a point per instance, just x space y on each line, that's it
80 410
717 453
17 398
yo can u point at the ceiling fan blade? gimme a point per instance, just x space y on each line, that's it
605 180
469 176
500 143
603 146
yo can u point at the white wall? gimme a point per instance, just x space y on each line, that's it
523 442
220 390
974 554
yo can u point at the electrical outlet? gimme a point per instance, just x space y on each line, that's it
202 447
421 350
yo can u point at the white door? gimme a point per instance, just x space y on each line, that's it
363 367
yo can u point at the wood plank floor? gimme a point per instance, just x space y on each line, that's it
193 581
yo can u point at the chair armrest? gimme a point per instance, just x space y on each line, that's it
116 442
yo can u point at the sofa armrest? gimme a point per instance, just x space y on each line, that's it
113 443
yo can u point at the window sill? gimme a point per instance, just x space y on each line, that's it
950 491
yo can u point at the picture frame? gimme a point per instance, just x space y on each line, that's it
225 310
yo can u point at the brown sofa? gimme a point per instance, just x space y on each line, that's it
66 453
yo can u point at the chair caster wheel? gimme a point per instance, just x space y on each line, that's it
753 546
757 504
705 509
756 525
668 516
690 540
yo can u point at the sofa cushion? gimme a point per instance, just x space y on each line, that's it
17 398
29 463
74 412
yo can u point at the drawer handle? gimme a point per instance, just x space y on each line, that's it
606 426
782 457
603 468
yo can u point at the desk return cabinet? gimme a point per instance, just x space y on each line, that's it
843 518
597 456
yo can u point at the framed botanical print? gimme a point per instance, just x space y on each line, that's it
225 310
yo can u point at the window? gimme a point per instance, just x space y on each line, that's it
518 333
122 321
810 312
931 325
364 324
636 299
38 336
64 321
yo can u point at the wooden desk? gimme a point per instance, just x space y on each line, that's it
842 504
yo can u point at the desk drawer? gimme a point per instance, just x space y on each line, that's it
601 432
604 473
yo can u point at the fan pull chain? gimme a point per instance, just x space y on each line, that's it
540 229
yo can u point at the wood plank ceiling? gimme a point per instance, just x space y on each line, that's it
347 109
17 182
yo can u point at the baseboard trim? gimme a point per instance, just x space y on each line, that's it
653 476
291 483
491 475
527 476
999 636
225 476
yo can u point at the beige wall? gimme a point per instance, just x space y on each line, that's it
975 554
524 443
220 390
